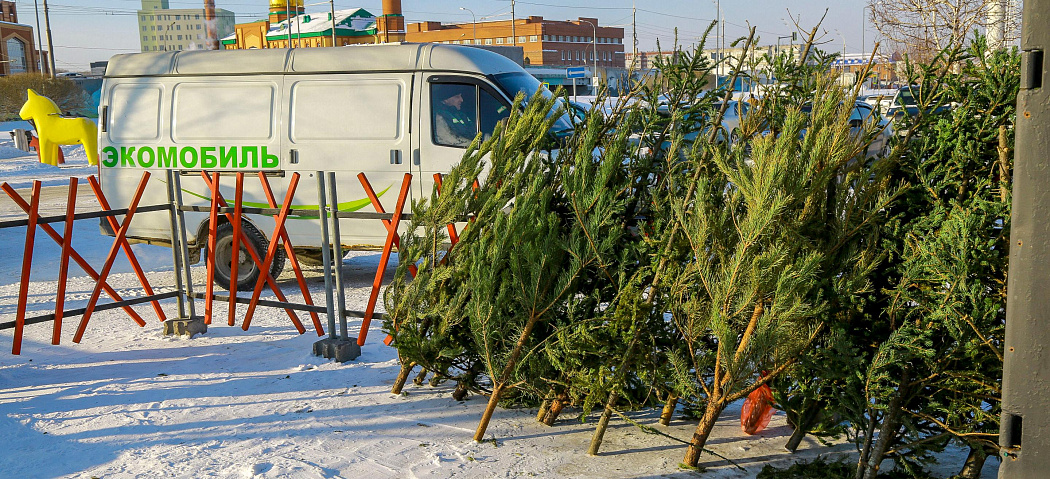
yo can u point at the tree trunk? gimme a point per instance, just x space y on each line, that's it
557 405
544 407
669 407
461 391
420 378
974 463
805 423
865 450
603 424
479 434
402 378
501 382
887 433
703 430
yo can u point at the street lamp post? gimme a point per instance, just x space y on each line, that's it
474 21
594 59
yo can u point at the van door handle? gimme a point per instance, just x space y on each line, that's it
293 156
415 157
395 157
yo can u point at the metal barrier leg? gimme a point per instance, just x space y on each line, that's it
102 201
290 252
27 266
235 251
63 268
102 275
187 324
213 219
391 238
264 267
341 348
264 272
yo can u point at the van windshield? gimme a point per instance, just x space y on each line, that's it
515 82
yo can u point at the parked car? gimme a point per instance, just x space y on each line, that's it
862 114
908 100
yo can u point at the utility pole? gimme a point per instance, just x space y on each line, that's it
513 31
634 31
1025 451
50 45
331 3
39 42
210 29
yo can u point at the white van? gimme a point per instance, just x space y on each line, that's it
377 109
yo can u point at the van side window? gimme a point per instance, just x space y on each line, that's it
459 111
492 111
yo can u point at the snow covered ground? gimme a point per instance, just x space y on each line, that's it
128 402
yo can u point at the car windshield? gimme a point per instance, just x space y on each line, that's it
515 82
906 97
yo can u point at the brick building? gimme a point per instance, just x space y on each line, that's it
545 42
18 53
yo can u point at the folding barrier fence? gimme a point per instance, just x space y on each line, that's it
339 346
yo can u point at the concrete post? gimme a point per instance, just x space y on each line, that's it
1025 431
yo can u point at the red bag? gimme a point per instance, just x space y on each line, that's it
757 410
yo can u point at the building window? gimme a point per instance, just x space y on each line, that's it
178 27
488 41
532 38
499 41
16 55
563 55
198 17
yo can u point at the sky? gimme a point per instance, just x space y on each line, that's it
85 31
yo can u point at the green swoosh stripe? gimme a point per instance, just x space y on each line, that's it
348 206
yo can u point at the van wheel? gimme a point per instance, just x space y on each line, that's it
247 271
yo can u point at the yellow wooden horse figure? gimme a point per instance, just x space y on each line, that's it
53 129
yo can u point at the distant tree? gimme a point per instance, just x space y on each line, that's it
63 91
921 28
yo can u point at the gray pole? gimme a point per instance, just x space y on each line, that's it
182 243
338 257
1026 377
176 250
39 40
50 44
513 31
326 253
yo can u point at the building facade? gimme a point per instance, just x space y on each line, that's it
18 53
163 29
288 23
545 42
